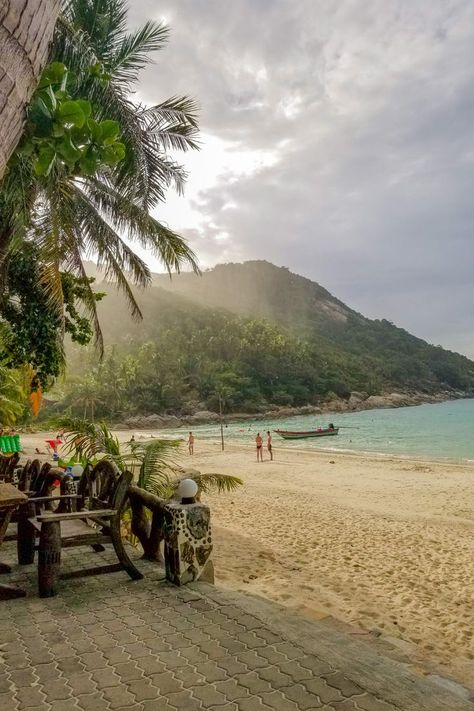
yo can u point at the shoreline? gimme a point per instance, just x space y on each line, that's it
358 402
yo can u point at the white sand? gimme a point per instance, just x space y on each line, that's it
382 543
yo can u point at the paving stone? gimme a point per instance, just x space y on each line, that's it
128 671
21 677
211 672
81 683
92 702
276 701
232 665
29 697
252 704
232 689
275 677
5 683
346 705
344 685
142 689
290 651
16 661
70 665
64 705
47 671
118 697
212 649
136 650
93 661
370 703
184 702
317 666
105 677
151 665
317 687
189 677
230 706
56 689
254 683
172 660
208 695
166 683
271 655
10 703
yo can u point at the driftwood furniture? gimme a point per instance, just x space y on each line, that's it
10 498
8 466
102 492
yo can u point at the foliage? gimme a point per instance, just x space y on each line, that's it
94 162
61 129
12 395
183 357
152 463
34 326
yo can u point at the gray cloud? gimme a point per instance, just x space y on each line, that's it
368 108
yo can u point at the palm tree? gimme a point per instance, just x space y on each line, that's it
24 51
96 215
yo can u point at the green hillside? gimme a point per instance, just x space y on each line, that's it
259 336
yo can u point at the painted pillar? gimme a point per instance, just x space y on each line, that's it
188 543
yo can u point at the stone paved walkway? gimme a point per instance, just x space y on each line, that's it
107 643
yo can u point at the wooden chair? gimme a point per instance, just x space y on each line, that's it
102 493
8 464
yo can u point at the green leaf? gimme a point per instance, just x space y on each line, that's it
113 154
53 74
57 130
45 160
70 113
69 151
109 131
95 129
89 163
86 107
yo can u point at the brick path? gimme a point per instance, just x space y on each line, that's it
107 643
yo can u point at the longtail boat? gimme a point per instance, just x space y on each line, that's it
328 432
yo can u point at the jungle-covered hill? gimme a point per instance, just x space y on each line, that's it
260 336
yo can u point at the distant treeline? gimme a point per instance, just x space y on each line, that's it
197 355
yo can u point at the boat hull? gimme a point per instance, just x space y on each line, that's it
308 434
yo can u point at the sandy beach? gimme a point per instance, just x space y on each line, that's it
382 543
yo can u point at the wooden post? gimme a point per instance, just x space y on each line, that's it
49 558
222 428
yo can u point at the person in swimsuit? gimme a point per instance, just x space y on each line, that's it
191 443
259 443
269 445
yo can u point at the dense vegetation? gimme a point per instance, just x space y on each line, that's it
184 356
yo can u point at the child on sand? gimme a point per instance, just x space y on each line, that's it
191 443
269 445
259 443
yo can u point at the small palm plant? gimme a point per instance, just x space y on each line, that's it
152 463
154 469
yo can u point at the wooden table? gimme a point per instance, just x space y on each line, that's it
10 498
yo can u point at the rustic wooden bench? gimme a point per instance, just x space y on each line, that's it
102 493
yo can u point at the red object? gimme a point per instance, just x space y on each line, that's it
56 483
53 443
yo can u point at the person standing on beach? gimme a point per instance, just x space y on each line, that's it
259 443
269 445
191 443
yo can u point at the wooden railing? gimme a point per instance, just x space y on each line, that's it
147 527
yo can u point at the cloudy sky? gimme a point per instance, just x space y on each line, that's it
337 140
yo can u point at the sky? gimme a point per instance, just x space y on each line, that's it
337 140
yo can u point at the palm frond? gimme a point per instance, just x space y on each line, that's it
133 53
221 483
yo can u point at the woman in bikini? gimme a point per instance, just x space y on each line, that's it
259 443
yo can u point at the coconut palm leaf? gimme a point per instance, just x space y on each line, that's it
222 483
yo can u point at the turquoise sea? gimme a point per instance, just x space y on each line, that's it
441 431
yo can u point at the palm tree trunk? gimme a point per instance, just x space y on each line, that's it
26 29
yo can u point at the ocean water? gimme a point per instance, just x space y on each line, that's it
441 431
